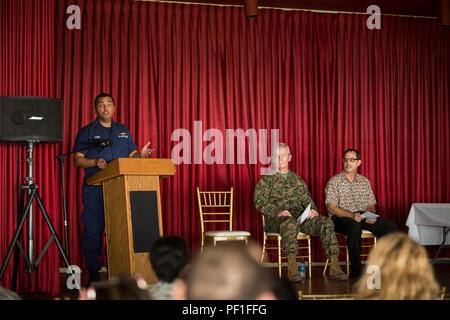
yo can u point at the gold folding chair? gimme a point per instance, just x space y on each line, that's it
367 237
365 244
216 207
276 237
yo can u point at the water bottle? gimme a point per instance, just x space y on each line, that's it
302 268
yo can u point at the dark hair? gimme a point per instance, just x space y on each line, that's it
358 155
120 288
103 95
284 290
168 256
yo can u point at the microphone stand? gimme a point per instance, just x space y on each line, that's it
61 159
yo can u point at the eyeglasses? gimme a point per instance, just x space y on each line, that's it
349 160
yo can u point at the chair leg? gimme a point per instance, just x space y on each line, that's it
279 257
326 266
263 249
309 258
347 260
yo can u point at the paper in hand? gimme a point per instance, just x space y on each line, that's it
304 215
369 215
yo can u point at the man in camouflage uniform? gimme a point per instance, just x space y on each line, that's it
281 197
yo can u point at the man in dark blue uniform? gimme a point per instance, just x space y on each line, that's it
96 145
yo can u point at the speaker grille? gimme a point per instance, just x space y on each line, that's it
31 118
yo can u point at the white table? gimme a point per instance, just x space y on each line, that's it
429 224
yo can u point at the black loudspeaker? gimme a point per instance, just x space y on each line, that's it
31 119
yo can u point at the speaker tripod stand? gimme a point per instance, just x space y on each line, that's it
31 189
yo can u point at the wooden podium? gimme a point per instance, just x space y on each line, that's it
132 212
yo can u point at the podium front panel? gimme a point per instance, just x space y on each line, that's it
132 205
118 228
146 209
144 218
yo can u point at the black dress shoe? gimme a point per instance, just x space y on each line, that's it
94 276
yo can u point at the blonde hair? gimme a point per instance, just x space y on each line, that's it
405 271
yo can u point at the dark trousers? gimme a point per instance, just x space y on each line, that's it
93 219
353 230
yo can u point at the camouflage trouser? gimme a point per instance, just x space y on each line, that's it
320 226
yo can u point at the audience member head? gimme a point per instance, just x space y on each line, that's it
255 250
283 290
405 271
6 294
225 273
168 256
117 288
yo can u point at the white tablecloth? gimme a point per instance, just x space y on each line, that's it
426 222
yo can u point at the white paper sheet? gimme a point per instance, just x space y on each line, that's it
369 215
304 215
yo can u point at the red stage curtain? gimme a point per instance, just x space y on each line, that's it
324 80
27 68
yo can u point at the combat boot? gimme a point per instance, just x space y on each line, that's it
335 271
293 273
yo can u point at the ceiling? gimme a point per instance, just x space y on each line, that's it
427 8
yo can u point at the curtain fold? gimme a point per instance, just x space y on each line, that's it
27 69
325 81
